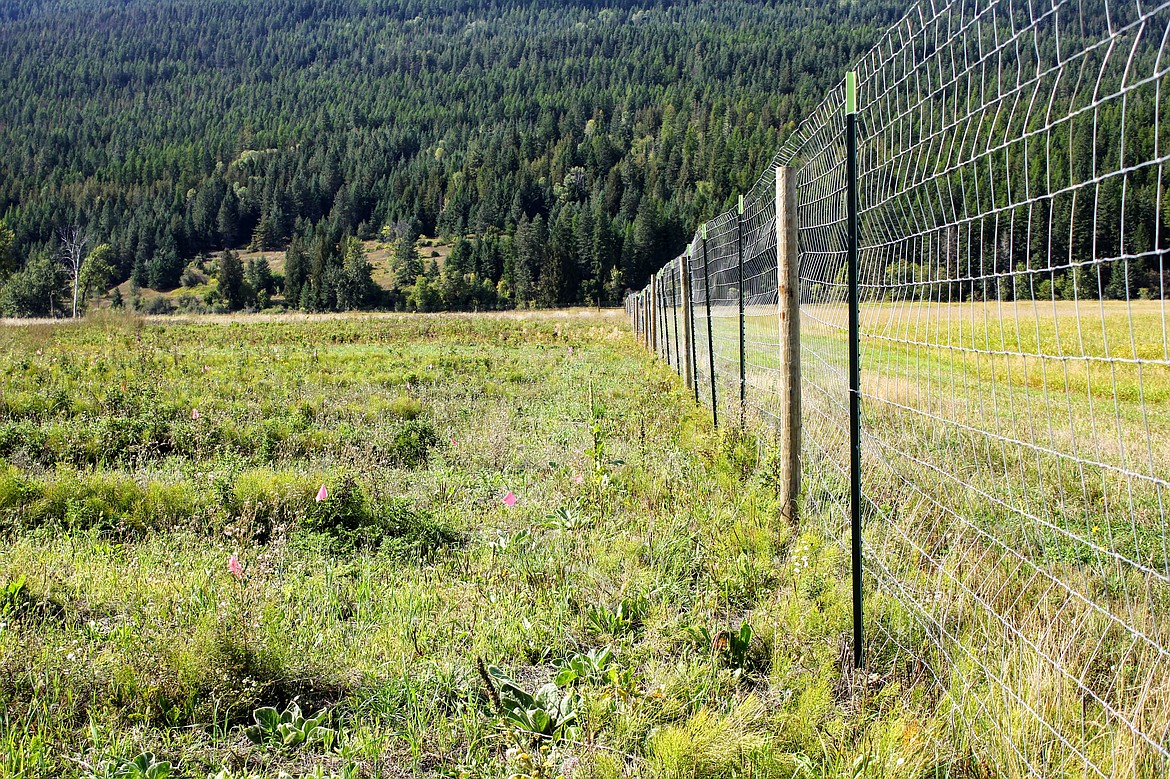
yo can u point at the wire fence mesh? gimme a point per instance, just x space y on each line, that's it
1015 385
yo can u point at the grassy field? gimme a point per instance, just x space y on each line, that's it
504 546
1014 469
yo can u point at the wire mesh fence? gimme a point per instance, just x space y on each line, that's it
1012 279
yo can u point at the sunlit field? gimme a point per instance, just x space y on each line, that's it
457 545
1015 463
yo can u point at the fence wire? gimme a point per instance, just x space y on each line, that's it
1015 359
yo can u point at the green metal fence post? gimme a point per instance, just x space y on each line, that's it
710 335
739 276
688 291
854 363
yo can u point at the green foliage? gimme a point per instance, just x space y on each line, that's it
14 597
7 251
289 729
35 290
549 713
412 443
732 647
626 617
144 766
232 286
709 745
585 668
648 118
353 523
96 272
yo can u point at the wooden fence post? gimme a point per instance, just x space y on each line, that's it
688 339
651 293
788 286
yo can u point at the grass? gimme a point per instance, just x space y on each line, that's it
637 529
1013 469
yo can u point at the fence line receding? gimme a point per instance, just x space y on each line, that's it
1012 253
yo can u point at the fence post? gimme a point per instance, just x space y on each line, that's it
739 277
645 321
656 315
653 298
642 317
637 305
710 334
788 289
688 343
674 285
852 237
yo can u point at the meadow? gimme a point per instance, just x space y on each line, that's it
1014 484
500 546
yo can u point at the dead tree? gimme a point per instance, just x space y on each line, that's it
73 241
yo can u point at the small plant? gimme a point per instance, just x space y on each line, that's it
14 597
625 618
290 728
548 713
599 448
732 647
564 519
142 767
584 668
412 444
504 542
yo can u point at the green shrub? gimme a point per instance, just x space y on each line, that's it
412 443
353 523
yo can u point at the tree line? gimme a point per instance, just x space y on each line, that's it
566 148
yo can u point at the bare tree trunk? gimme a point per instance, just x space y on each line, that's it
73 241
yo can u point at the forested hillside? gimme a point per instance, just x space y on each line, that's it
567 148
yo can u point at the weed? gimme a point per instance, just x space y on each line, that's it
289 728
626 617
144 766
584 668
548 713
412 443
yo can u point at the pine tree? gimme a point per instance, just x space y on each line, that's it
228 219
407 263
296 269
232 287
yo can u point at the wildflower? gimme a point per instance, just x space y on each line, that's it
578 478
509 499
234 567
322 494
1096 528
453 442
194 413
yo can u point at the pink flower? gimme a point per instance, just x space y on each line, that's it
322 494
234 567
453 442
509 499
570 350
578 478
194 413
